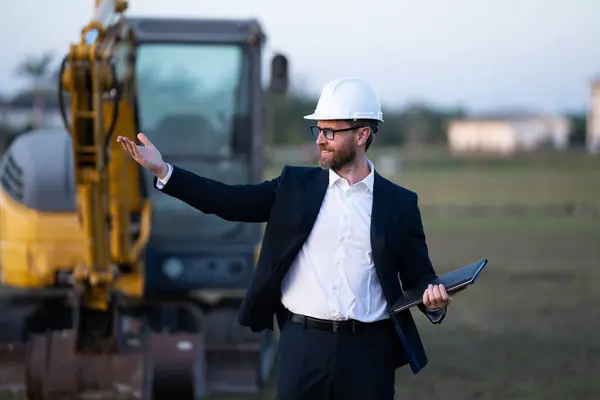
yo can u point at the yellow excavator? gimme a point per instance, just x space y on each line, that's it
113 288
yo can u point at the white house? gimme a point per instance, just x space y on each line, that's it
507 134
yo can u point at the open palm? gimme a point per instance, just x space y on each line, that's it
147 155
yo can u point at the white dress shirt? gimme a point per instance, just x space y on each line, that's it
333 276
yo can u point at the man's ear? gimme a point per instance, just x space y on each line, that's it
363 135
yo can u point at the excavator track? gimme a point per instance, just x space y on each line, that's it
12 369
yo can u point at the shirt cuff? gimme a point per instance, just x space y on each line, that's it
160 183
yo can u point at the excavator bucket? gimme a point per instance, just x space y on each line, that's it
223 358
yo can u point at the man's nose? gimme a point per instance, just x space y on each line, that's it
321 139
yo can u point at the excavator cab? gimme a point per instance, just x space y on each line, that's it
200 100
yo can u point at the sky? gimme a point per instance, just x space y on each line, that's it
483 55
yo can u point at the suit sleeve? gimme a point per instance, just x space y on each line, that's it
242 203
416 267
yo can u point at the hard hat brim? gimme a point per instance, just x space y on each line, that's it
321 117
317 117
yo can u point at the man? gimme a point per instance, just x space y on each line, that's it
337 239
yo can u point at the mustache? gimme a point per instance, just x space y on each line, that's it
323 148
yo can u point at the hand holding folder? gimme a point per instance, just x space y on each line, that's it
453 282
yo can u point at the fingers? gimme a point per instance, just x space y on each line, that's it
435 296
123 145
130 147
123 141
426 300
443 293
446 297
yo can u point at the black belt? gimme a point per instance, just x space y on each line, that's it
344 326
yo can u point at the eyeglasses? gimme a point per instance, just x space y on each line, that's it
330 133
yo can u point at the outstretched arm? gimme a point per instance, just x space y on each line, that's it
243 203
416 268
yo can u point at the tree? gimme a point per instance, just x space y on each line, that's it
38 70
579 129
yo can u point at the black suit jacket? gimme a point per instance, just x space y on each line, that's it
290 204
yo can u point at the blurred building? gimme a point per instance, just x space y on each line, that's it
593 122
506 134
29 109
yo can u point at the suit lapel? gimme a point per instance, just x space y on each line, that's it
313 191
380 216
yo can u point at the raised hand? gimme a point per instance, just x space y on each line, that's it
147 155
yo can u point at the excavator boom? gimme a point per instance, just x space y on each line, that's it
106 181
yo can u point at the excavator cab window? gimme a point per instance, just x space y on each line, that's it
194 104
189 94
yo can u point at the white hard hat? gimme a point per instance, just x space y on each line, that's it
347 98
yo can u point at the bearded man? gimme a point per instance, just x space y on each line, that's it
340 246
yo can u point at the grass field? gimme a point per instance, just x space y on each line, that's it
526 330
529 329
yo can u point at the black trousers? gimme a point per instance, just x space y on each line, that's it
320 365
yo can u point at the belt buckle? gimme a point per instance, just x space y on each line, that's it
336 326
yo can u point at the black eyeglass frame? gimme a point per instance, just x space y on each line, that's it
330 133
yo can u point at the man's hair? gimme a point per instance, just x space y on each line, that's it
371 123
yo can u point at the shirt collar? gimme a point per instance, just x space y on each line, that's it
368 181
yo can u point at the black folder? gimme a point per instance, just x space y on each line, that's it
453 281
